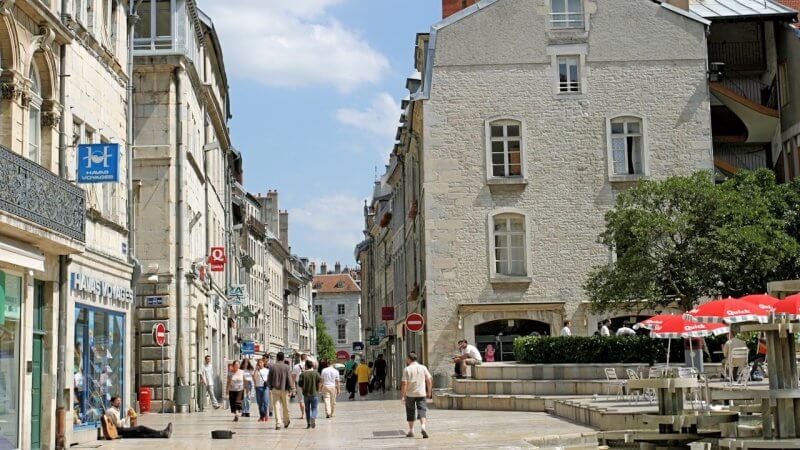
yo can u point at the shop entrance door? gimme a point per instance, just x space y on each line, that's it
38 357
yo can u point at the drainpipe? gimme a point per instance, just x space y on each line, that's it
133 17
179 213
63 260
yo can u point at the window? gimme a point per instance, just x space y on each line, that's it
80 11
566 13
154 28
509 245
35 118
569 80
10 302
341 331
340 285
340 309
318 309
627 146
505 147
784 83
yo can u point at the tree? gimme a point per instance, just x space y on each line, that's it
683 239
325 348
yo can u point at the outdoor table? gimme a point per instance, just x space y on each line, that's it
670 393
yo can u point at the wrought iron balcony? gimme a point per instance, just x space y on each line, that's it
32 192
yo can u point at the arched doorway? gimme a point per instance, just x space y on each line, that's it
501 334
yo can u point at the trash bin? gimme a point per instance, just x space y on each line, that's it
183 395
145 399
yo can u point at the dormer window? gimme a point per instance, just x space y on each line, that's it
566 14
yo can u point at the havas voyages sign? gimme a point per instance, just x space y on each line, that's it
84 283
98 163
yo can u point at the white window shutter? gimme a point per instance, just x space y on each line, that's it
618 154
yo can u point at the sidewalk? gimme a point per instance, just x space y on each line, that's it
374 423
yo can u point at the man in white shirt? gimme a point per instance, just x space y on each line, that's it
567 331
625 330
296 371
207 378
604 330
469 356
417 385
141 432
330 388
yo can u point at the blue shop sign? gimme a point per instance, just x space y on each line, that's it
248 347
98 163
358 346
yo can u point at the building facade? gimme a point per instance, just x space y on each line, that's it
338 301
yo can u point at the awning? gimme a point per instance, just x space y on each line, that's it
20 254
510 307
761 121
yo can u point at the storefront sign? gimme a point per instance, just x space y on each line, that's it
217 259
381 331
98 163
387 313
160 334
415 322
237 292
373 340
84 283
248 347
358 346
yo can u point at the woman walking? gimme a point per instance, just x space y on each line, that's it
235 389
260 376
247 367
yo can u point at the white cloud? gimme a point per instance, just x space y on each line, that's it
330 222
381 117
294 43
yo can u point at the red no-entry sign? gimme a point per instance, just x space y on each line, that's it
415 322
160 334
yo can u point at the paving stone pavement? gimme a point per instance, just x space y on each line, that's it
377 422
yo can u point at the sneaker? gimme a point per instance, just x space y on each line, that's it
424 434
235 418
313 423
410 434
216 406
308 426
287 424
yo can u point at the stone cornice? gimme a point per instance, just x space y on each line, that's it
41 14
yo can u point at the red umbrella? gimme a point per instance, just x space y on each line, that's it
671 326
728 310
764 301
790 307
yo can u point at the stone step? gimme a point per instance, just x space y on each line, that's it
531 387
529 403
605 413
578 441
559 372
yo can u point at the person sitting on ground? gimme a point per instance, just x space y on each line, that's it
470 356
732 343
625 330
140 432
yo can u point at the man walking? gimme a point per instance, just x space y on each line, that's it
279 381
207 378
416 387
380 374
296 371
311 383
605 330
330 388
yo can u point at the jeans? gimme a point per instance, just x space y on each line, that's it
262 398
246 402
311 402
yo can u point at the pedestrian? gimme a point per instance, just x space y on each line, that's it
350 376
235 389
311 384
371 366
207 378
625 330
605 330
470 356
567 330
363 373
380 374
330 388
247 367
416 387
280 384
124 431
296 371
260 376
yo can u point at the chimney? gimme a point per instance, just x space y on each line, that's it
450 7
284 228
338 267
682 4
323 268
312 268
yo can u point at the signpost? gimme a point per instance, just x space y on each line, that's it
160 338
248 347
217 259
98 163
415 322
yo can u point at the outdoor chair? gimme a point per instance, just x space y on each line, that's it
744 376
633 375
738 358
695 394
614 381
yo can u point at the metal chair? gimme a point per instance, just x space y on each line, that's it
633 375
614 381
738 358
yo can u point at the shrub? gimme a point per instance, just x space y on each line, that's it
595 349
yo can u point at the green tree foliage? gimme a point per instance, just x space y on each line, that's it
325 347
685 238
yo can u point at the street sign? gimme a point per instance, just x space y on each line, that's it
248 347
415 322
98 163
381 331
358 346
387 313
160 334
373 340
217 259
342 354
155 300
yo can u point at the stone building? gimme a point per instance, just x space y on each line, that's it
338 301
530 116
184 170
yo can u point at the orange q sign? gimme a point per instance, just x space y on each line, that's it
217 259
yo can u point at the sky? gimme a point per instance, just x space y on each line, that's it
315 96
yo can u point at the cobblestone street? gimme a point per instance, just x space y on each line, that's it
378 423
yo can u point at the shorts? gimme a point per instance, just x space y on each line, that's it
416 405
472 362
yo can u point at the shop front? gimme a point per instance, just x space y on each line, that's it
11 295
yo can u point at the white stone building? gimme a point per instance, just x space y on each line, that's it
338 301
535 113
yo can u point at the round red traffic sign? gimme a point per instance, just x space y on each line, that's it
160 334
342 354
415 322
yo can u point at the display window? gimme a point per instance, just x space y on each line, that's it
11 288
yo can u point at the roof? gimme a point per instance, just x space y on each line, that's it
327 284
738 9
794 4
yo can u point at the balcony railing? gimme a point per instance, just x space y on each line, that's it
32 192
738 55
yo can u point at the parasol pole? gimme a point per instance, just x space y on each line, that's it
669 345
691 352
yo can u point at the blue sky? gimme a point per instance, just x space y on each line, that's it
315 93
